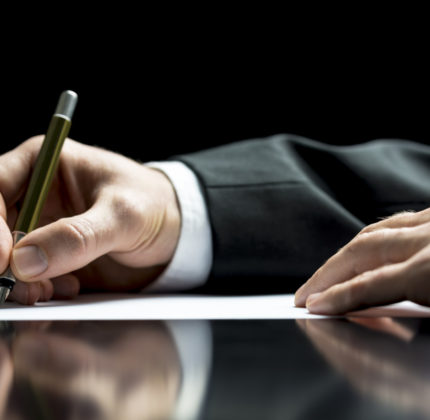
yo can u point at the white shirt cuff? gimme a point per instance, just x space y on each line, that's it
192 260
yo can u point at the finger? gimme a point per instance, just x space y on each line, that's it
15 168
66 245
378 287
365 252
26 294
5 238
30 293
402 219
47 290
65 287
12 216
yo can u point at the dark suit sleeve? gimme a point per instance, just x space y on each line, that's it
280 206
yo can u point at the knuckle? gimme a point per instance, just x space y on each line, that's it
409 237
356 246
377 238
33 141
369 228
359 288
351 247
417 270
401 243
352 252
425 213
79 235
32 145
376 276
368 249
125 209
29 149
122 206
344 295
376 235
36 139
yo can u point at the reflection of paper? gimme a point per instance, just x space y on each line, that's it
132 306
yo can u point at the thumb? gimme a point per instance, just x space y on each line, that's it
5 238
65 245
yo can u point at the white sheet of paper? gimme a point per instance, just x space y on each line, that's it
164 307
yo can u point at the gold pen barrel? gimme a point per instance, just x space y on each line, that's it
46 163
43 173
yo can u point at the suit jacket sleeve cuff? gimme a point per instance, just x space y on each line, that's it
192 261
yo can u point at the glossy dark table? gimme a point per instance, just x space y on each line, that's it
360 368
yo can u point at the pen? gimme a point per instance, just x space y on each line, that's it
41 179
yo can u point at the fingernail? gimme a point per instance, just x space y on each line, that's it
29 261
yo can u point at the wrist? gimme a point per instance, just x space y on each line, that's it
187 269
170 229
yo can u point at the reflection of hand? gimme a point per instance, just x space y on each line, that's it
386 366
117 373
386 262
112 219
6 375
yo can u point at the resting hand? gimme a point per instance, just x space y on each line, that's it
386 262
109 223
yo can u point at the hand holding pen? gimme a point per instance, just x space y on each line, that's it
41 179
108 223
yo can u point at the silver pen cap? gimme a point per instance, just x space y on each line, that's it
67 104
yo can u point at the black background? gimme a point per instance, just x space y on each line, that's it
155 91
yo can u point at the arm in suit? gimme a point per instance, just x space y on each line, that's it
280 206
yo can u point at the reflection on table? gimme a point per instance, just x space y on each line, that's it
99 370
384 358
303 369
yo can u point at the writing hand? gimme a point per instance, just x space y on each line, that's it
109 223
386 262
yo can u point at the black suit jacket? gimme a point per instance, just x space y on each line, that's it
280 206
